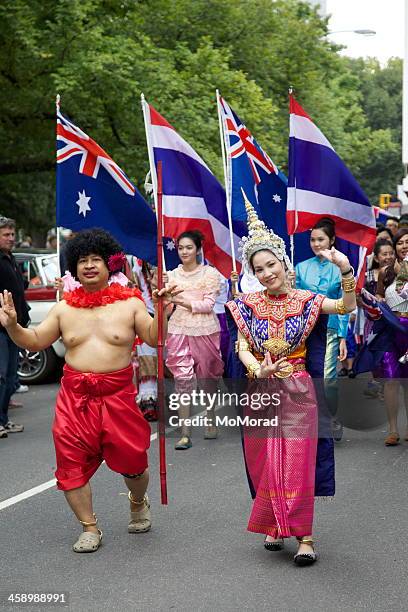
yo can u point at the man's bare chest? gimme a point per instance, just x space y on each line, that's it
113 323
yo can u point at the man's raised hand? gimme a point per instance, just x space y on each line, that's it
8 314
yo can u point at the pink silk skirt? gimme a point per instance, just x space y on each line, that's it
194 357
281 461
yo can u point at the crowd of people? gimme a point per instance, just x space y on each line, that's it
386 276
297 329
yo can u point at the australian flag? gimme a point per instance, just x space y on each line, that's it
381 216
93 191
251 169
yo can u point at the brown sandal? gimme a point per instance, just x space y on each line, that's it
392 439
88 541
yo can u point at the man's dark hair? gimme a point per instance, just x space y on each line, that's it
86 242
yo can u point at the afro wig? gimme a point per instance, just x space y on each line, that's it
93 241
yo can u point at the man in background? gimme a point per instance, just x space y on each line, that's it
11 280
392 224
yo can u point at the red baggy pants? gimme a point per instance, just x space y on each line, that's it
96 419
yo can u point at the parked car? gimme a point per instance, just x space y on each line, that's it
39 268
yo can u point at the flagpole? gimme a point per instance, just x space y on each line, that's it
291 238
290 90
221 126
227 178
152 166
57 106
160 342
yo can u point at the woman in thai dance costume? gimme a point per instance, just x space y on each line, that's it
273 327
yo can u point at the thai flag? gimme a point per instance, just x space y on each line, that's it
321 185
192 196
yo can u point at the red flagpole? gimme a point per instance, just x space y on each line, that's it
160 342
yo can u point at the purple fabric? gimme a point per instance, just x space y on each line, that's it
224 337
390 366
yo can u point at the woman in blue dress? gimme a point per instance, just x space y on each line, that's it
319 275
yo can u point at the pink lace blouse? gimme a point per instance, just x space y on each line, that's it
201 287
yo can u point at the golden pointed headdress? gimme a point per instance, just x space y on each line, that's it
260 238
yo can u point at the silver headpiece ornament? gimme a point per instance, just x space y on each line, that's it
260 238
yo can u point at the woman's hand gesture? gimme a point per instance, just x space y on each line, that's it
8 314
337 258
268 368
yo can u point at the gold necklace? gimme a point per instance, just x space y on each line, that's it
278 346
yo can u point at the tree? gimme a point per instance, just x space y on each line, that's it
252 50
100 69
381 101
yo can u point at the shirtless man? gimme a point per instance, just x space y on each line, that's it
96 415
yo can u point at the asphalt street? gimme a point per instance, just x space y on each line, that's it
199 555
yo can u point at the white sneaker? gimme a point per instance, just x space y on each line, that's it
22 389
3 432
13 427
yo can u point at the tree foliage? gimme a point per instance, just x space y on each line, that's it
101 54
381 100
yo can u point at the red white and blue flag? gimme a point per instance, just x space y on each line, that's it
249 168
381 215
93 191
321 185
192 196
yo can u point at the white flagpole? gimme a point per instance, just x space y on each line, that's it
227 176
153 174
292 249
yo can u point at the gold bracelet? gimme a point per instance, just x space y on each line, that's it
253 368
242 345
340 308
348 284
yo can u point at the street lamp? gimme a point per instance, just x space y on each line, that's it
363 32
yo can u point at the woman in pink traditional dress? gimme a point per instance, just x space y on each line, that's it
273 326
193 339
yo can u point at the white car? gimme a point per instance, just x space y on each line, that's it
39 270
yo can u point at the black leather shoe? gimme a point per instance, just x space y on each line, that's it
303 559
274 546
